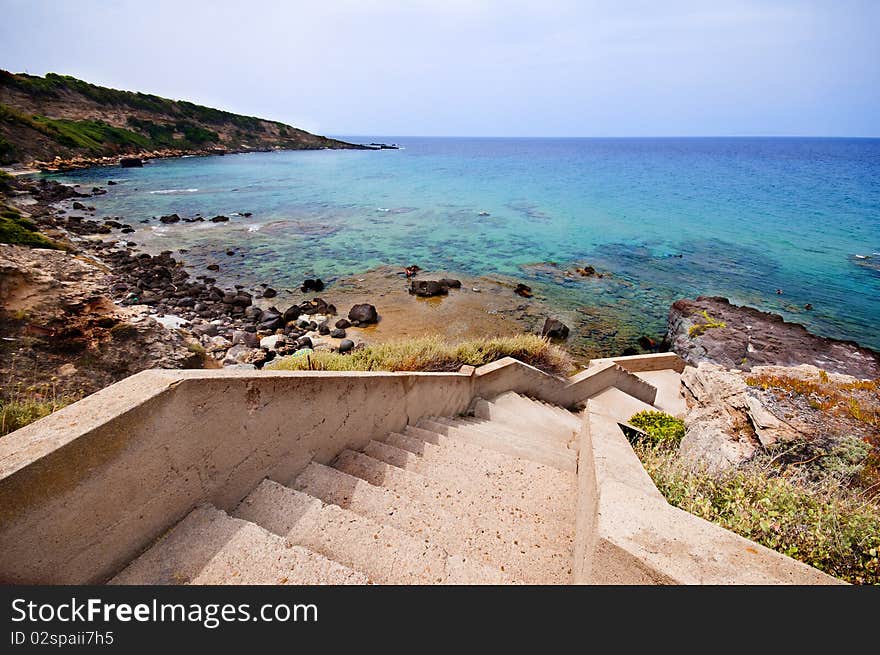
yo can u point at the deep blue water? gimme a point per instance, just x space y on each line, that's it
747 215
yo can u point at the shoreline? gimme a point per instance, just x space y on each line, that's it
246 326
62 165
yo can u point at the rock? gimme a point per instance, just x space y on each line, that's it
323 328
111 183
217 343
750 337
253 313
248 339
342 323
271 321
79 205
427 288
219 219
363 313
316 306
337 333
726 420
523 290
213 267
312 285
586 271
304 342
131 162
450 283
346 345
291 314
269 292
272 342
554 329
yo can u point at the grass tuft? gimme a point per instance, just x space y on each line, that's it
435 354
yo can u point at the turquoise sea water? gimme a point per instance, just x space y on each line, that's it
747 216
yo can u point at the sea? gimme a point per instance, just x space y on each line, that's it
788 225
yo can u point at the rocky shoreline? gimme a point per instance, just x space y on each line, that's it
711 329
122 291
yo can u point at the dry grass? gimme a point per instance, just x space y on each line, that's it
25 408
859 400
435 354
818 520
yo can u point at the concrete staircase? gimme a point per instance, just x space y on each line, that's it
487 498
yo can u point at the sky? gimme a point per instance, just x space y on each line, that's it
478 67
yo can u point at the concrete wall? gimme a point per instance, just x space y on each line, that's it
643 363
626 532
84 490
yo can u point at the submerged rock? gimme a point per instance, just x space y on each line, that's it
554 329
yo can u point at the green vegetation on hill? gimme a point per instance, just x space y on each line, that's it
59 115
18 230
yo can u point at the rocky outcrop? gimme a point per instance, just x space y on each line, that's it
711 329
57 323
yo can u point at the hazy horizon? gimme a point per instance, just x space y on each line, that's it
786 68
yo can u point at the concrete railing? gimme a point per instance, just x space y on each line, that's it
626 532
85 490
644 363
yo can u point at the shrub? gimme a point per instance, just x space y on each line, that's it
435 354
819 522
699 329
659 426
18 230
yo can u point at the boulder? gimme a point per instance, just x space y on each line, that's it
170 218
131 162
346 345
451 283
337 333
554 329
272 342
312 285
291 314
269 292
342 323
248 339
523 290
219 219
427 288
363 313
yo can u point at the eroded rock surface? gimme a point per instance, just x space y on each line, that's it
752 338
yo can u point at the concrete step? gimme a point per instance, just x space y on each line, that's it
386 554
503 441
531 436
568 418
210 547
533 420
534 527
670 395
618 405
559 417
545 489
487 540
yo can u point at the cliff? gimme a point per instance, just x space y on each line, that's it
57 116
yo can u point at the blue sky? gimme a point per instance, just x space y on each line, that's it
471 67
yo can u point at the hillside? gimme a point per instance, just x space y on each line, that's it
42 118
